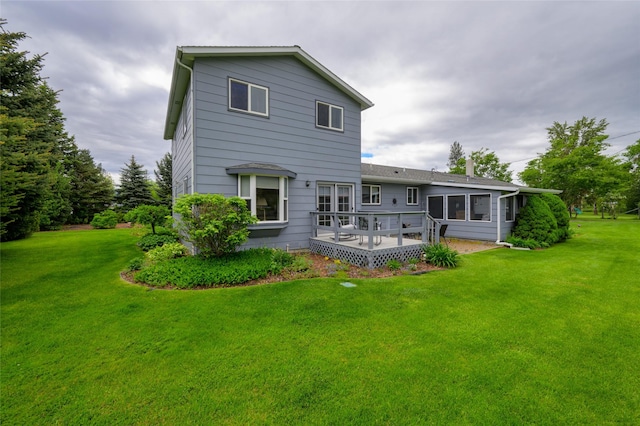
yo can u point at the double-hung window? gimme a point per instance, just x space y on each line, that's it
267 196
370 194
248 97
412 196
329 116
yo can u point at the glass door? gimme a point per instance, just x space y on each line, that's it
334 198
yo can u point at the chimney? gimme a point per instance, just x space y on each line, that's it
470 168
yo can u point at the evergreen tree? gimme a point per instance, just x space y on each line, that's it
455 155
164 180
92 189
34 189
134 188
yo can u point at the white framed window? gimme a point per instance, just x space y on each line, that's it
329 116
412 196
480 207
371 194
248 97
456 207
509 209
267 196
435 206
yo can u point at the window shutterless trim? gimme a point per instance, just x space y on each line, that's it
371 203
415 198
488 195
466 202
330 125
250 88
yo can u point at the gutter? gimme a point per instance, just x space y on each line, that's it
512 194
193 128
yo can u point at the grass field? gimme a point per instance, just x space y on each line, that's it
509 337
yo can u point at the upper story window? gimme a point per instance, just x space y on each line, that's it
412 196
329 116
267 196
248 97
370 194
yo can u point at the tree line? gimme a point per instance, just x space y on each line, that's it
575 163
46 180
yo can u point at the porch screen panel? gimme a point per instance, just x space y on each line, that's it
456 208
435 206
480 207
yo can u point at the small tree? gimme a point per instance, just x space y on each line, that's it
148 215
215 225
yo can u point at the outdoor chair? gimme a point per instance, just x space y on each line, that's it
443 230
347 227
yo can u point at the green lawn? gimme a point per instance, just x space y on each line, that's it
510 337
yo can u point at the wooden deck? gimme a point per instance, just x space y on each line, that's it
351 251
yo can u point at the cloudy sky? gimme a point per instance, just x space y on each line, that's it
485 74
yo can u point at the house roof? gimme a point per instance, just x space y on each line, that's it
186 56
403 175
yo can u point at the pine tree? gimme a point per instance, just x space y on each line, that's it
134 187
164 179
33 187
455 154
92 189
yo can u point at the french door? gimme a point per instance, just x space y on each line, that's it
334 197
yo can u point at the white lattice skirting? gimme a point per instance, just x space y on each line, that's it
362 257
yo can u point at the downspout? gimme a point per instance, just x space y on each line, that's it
193 128
512 194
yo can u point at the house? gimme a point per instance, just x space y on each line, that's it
277 128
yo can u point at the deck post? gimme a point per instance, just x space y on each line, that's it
399 229
371 226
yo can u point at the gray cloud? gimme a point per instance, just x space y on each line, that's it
487 74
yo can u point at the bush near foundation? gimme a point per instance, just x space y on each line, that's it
536 222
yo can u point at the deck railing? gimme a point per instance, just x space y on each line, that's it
375 225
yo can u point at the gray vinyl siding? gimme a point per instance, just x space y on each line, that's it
181 148
389 192
469 229
288 137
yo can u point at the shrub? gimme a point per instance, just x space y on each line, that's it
193 271
280 259
300 264
166 252
108 219
151 241
214 224
135 264
394 264
519 242
441 255
148 215
536 222
560 212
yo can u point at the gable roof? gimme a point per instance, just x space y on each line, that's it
186 55
403 175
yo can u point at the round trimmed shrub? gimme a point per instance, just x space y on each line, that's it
108 219
560 212
536 222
